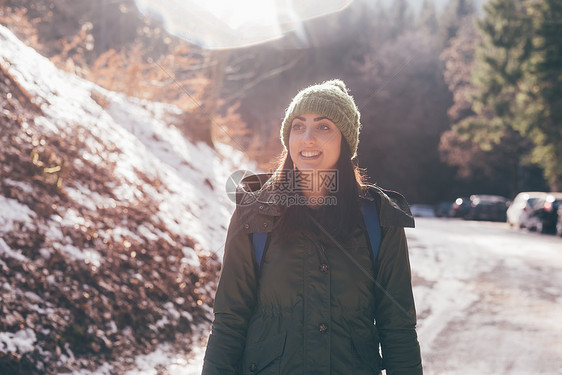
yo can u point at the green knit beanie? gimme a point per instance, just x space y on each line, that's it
329 99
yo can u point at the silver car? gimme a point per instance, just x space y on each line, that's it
521 208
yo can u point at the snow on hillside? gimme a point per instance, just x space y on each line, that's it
106 212
194 175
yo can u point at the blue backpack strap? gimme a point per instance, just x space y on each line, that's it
371 220
258 240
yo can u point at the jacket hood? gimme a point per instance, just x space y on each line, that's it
257 207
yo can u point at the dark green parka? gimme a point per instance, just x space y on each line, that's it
311 308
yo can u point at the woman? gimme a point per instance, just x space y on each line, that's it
316 302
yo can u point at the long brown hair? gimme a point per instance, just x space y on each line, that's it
338 219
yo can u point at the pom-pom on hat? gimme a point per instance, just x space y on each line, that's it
329 99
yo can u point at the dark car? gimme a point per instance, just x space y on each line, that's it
422 210
544 215
487 207
559 223
460 207
443 209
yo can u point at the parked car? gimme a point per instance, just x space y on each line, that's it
487 207
521 208
559 223
422 210
443 209
544 216
460 207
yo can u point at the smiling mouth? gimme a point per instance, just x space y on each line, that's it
310 155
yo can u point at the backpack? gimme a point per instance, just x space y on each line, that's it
370 218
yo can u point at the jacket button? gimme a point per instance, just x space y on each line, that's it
323 327
253 367
246 226
261 206
324 268
265 224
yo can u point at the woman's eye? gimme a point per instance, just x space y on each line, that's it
297 126
324 127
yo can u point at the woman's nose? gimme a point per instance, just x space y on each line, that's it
309 134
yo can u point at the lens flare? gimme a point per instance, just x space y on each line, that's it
226 24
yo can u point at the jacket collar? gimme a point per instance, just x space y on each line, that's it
394 210
255 196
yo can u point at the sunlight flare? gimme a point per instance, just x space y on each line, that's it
223 24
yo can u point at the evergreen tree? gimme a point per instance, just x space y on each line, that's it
494 170
541 99
517 82
502 53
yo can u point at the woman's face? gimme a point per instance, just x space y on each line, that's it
314 142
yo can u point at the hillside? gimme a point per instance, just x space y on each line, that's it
111 222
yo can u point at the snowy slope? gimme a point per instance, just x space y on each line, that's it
138 129
99 189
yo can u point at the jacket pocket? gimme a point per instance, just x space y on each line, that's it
262 357
367 346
